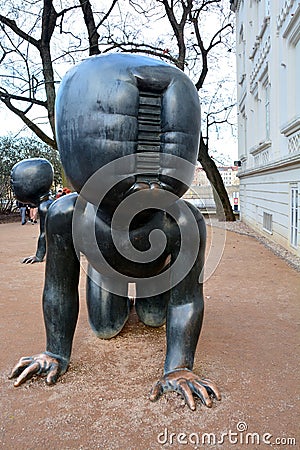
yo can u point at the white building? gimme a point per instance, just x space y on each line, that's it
268 77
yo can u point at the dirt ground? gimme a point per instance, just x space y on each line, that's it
249 346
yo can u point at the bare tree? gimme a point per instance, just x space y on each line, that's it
30 79
186 16
36 38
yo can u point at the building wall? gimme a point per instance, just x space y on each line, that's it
268 70
270 193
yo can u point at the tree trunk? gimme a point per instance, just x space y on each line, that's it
223 206
91 27
49 18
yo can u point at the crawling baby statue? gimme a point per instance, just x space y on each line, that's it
128 132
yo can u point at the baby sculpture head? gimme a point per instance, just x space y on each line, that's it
136 108
31 180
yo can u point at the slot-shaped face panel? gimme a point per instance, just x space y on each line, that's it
116 105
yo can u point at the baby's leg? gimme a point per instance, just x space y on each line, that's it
108 312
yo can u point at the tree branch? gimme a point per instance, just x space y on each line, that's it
6 96
107 14
203 51
31 125
147 49
13 26
218 33
226 108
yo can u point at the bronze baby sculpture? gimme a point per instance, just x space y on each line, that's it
31 180
128 134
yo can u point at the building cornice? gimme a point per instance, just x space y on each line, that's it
292 31
274 166
265 23
254 49
261 60
259 37
291 127
242 100
260 147
288 4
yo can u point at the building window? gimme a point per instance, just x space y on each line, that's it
294 215
266 93
242 53
268 222
243 132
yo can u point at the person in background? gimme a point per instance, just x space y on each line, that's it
59 193
33 214
66 191
22 207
